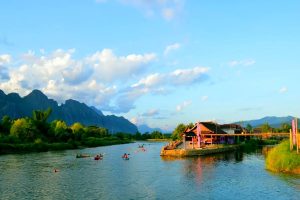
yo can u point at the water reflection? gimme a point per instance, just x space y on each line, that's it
193 168
146 175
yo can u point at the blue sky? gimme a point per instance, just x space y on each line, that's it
156 62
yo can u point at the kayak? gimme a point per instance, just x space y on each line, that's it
97 158
82 156
126 158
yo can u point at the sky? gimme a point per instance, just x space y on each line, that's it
156 62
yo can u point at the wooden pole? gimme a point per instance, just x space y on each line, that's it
291 140
297 140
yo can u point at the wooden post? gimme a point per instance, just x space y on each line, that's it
297 141
291 140
297 136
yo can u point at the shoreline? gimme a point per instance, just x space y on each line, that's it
7 148
199 152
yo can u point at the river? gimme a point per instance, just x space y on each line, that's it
145 176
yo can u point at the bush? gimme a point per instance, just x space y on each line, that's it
281 159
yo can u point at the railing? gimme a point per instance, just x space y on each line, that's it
248 134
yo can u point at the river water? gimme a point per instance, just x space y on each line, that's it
145 176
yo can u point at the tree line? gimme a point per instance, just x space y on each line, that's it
37 129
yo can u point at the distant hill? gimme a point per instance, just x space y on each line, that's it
71 111
143 128
273 121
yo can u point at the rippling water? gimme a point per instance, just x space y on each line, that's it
145 176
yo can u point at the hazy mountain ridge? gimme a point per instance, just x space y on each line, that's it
273 121
143 128
71 111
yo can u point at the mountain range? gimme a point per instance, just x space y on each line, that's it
144 128
273 121
71 111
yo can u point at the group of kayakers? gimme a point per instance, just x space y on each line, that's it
100 156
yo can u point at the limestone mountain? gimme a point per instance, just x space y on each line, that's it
71 111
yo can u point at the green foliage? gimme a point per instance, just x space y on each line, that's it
5 125
38 141
285 128
266 128
78 131
249 128
36 134
94 131
156 135
42 116
39 119
23 129
138 136
178 130
281 159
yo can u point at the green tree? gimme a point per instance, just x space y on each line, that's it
94 131
249 128
190 125
138 136
23 129
265 128
178 130
285 128
39 118
156 135
60 130
6 124
78 130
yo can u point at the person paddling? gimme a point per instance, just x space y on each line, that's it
125 156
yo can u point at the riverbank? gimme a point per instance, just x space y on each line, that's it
281 159
7 148
246 146
211 149
158 140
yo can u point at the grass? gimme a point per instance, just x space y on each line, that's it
281 159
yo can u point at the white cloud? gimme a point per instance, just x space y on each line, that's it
186 76
158 84
283 90
110 67
5 59
171 47
204 98
151 113
150 81
247 62
90 79
183 105
102 79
